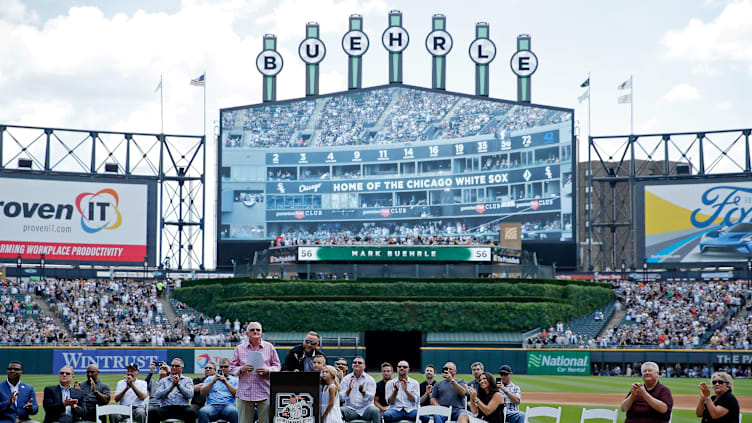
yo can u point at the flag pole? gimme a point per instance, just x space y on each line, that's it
590 84
631 105
204 122
161 105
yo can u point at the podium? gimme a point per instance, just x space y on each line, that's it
294 397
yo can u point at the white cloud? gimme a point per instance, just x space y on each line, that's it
681 92
15 11
290 16
724 105
650 125
106 68
726 38
704 69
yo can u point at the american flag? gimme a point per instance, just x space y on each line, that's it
200 81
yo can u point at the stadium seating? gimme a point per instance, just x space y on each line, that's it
385 116
710 315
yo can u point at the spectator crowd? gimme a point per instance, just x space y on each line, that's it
385 116
676 315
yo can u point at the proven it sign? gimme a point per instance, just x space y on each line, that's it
558 362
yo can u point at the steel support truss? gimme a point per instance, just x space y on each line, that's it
616 164
176 162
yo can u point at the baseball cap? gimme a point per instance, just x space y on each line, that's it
133 366
503 370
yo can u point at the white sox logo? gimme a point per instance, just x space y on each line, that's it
294 408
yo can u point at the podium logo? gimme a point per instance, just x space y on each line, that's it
294 408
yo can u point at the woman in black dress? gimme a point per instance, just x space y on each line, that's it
721 407
487 403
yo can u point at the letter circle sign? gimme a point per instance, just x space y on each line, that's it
312 51
524 63
439 43
355 43
269 62
395 39
482 51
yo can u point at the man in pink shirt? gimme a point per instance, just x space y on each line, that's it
253 383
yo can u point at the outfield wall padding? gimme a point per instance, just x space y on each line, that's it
41 360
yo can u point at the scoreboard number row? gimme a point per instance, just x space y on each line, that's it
407 152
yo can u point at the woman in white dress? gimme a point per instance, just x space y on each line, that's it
330 412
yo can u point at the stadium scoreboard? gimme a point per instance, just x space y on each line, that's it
393 165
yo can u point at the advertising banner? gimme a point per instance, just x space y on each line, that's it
554 362
469 180
493 208
732 358
407 254
201 357
76 221
108 361
698 223
510 235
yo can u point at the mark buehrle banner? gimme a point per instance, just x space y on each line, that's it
558 362
108 361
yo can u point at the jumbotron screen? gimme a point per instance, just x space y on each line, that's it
394 165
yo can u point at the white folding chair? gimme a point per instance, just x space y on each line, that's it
543 412
107 410
431 410
599 413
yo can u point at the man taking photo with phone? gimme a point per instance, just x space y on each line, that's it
450 392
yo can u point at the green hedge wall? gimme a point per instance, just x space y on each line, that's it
242 280
495 305
407 316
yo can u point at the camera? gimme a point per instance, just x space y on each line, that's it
498 381
445 370
221 372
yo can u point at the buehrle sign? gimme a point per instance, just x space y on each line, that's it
395 39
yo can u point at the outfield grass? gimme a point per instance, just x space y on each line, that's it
528 383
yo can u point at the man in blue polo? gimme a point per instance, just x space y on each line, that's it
219 390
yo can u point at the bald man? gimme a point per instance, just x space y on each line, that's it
96 393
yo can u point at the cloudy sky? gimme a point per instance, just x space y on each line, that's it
95 64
